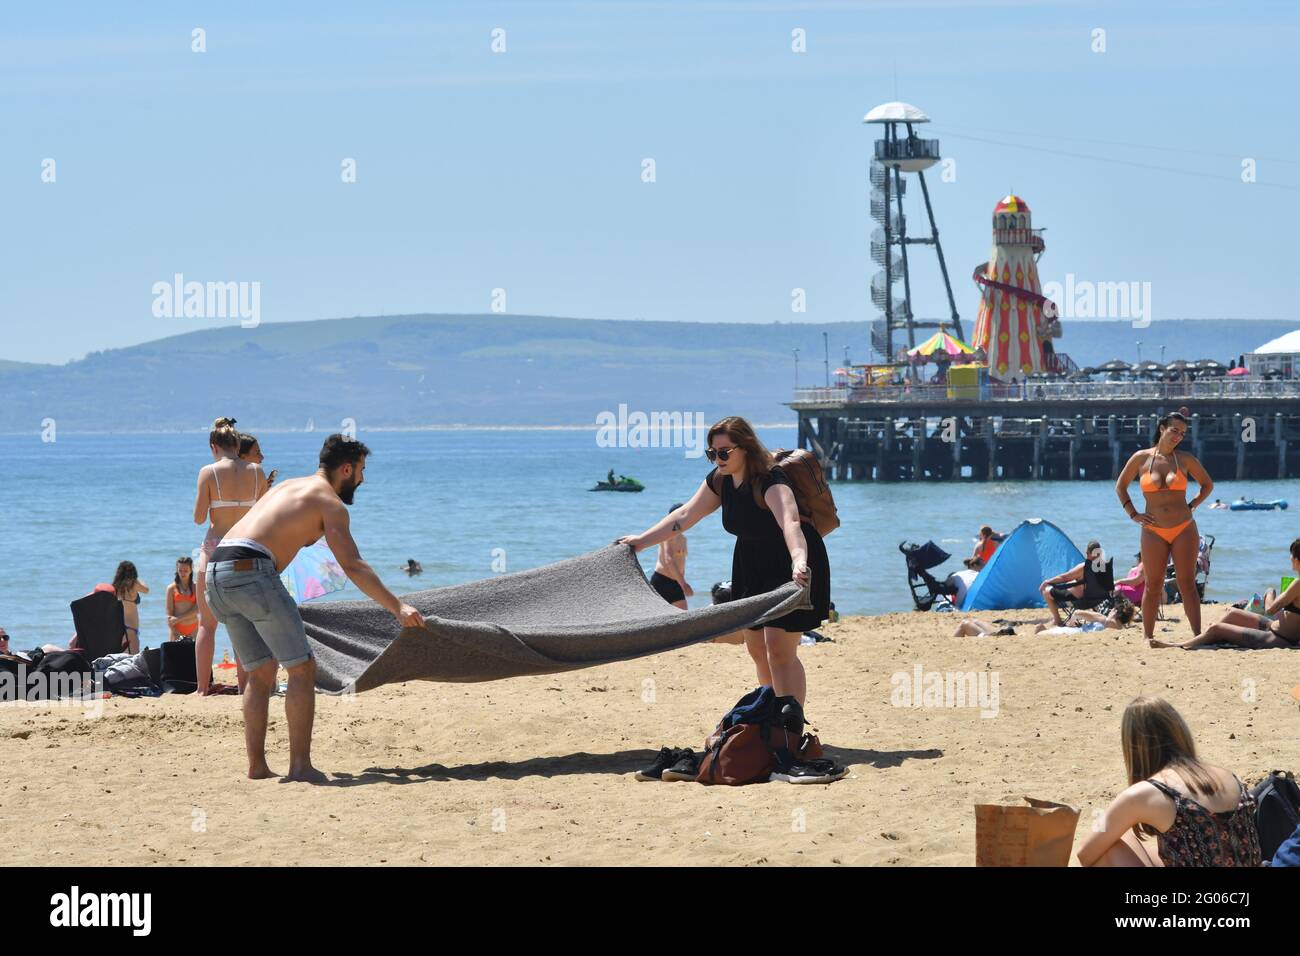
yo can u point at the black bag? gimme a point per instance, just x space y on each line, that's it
13 677
62 674
179 673
1277 810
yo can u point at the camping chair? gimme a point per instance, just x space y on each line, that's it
1098 589
100 624
920 559
1203 556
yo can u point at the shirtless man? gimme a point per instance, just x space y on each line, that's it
245 592
669 578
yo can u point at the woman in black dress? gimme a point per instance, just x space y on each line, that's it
774 544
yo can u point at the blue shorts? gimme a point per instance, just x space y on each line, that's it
260 616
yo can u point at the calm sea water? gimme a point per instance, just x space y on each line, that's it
70 510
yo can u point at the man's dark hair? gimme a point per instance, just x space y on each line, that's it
341 450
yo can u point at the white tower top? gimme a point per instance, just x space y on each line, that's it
896 112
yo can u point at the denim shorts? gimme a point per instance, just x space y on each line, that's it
260 616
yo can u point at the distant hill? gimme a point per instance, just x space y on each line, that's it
404 371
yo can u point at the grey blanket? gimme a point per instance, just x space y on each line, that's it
581 612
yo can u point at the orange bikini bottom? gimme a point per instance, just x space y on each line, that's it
1169 534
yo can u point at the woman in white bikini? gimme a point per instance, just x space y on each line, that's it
244 483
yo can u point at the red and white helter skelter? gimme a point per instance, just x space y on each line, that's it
1016 322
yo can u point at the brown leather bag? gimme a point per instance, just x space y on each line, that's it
745 753
811 493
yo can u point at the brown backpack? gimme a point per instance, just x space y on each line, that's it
811 493
743 747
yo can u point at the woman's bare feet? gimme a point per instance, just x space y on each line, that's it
262 772
1152 642
308 774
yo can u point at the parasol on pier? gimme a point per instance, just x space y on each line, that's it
1239 370
1148 368
1115 365
1209 367
941 345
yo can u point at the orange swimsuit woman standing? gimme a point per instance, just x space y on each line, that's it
1168 528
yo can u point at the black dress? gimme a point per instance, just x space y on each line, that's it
761 561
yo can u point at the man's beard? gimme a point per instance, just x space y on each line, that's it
348 490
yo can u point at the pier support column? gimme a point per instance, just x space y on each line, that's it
1198 444
918 447
991 439
1240 446
1040 446
1280 443
887 472
1112 436
956 450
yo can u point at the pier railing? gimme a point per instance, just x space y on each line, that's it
1053 391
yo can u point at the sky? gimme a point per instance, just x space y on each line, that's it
523 169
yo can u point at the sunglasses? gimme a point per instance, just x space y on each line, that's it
720 454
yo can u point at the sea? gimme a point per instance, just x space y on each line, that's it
471 503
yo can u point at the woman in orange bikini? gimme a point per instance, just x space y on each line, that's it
1167 524
183 601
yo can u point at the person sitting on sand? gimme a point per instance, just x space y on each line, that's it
1120 617
669 579
959 582
246 594
1278 626
986 544
1068 586
1199 814
1134 584
182 602
4 645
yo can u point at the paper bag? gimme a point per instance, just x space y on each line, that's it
1041 834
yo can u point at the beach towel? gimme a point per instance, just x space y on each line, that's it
593 609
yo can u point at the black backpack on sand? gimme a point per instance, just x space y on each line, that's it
1277 810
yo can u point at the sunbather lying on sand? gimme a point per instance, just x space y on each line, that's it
1278 627
1120 617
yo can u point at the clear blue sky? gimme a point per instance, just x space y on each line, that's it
522 170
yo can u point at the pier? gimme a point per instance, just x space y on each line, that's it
1068 431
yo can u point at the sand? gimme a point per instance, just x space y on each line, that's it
537 770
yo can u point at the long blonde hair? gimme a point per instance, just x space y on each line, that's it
1156 737
758 460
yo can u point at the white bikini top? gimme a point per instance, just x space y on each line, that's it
220 502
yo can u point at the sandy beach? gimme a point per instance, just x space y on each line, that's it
537 770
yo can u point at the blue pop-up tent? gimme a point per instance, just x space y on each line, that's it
1035 551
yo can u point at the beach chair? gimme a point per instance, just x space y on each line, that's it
1098 589
99 623
1204 555
920 559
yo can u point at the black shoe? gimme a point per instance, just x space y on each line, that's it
809 771
666 758
687 766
